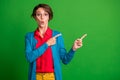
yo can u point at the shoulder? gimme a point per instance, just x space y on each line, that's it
56 32
60 38
29 34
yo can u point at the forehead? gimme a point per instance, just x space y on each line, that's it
41 10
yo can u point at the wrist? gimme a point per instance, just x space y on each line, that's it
74 49
48 44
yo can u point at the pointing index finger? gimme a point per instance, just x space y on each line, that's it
57 35
83 36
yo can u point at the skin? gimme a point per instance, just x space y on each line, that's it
42 19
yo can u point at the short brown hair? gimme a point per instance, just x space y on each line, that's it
46 7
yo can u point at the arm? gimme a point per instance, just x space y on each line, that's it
67 57
32 55
64 56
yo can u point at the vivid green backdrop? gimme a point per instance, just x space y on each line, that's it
98 59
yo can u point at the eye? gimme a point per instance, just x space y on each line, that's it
38 14
46 14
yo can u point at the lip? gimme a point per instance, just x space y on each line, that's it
41 22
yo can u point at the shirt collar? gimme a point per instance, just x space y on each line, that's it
47 33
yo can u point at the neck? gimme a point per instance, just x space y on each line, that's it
42 30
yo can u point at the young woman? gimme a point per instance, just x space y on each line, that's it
45 49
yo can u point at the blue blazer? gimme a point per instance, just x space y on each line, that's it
59 53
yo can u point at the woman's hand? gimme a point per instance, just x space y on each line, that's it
77 44
51 41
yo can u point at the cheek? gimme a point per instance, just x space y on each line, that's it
36 19
47 19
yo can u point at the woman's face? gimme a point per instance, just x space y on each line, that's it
42 17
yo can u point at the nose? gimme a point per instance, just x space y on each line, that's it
42 16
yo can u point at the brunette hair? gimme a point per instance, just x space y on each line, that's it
46 7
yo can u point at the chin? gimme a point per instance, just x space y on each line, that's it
42 26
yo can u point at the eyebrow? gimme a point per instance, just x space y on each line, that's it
39 12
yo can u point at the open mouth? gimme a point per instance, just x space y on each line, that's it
41 22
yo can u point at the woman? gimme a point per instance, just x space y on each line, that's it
44 49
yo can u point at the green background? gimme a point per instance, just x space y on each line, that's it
98 59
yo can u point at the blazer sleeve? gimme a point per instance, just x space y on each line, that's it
65 56
32 54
